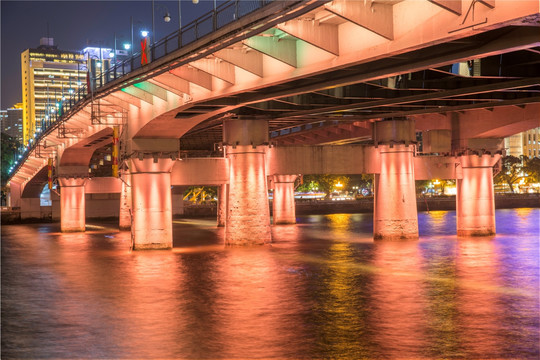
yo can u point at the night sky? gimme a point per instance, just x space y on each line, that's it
73 24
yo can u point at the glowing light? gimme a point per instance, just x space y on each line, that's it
98 64
127 46
144 33
339 184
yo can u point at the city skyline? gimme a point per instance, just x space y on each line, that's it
24 23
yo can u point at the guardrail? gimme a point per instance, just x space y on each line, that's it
224 14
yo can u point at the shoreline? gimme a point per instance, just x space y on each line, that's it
319 207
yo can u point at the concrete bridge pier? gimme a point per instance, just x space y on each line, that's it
124 221
72 204
222 205
395 215
152 205
475 199
283 206
248 213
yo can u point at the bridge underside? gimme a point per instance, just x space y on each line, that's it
374 73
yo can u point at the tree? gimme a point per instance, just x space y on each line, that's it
326 182
9 151
446 183
421 185
532 169
510 171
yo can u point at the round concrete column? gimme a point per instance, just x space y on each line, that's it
222 205
152 204
124 221
283 205
248 213
475 200
72 204
395 214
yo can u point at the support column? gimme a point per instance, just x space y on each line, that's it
124 222
152 206
248 213
222 205
395 214
475 199
283 205
72 204
178 200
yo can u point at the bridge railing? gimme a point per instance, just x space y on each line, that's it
224 14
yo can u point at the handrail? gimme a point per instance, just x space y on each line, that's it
224 14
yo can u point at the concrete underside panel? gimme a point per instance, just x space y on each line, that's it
202 171
343 159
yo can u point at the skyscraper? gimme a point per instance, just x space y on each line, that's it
49 76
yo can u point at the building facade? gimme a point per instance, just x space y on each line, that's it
49 76
12 121
526 143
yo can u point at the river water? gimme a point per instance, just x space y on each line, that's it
324 289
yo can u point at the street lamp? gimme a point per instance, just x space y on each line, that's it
144 33
166 18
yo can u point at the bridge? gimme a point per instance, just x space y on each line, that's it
252 95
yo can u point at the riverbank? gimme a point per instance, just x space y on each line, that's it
315 207
365 205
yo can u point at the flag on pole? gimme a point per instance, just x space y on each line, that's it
115 152
49 173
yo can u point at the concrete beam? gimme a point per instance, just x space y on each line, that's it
323 36
200 171
139 94
435 167
281 49
217 68
453 6
152 89
103 185
374 16
246 59
193 75
173 81
344 159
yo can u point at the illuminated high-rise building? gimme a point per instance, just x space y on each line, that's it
11 121
526 143
48 76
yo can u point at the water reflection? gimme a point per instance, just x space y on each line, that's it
442 310
476 262
399 300
323 289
